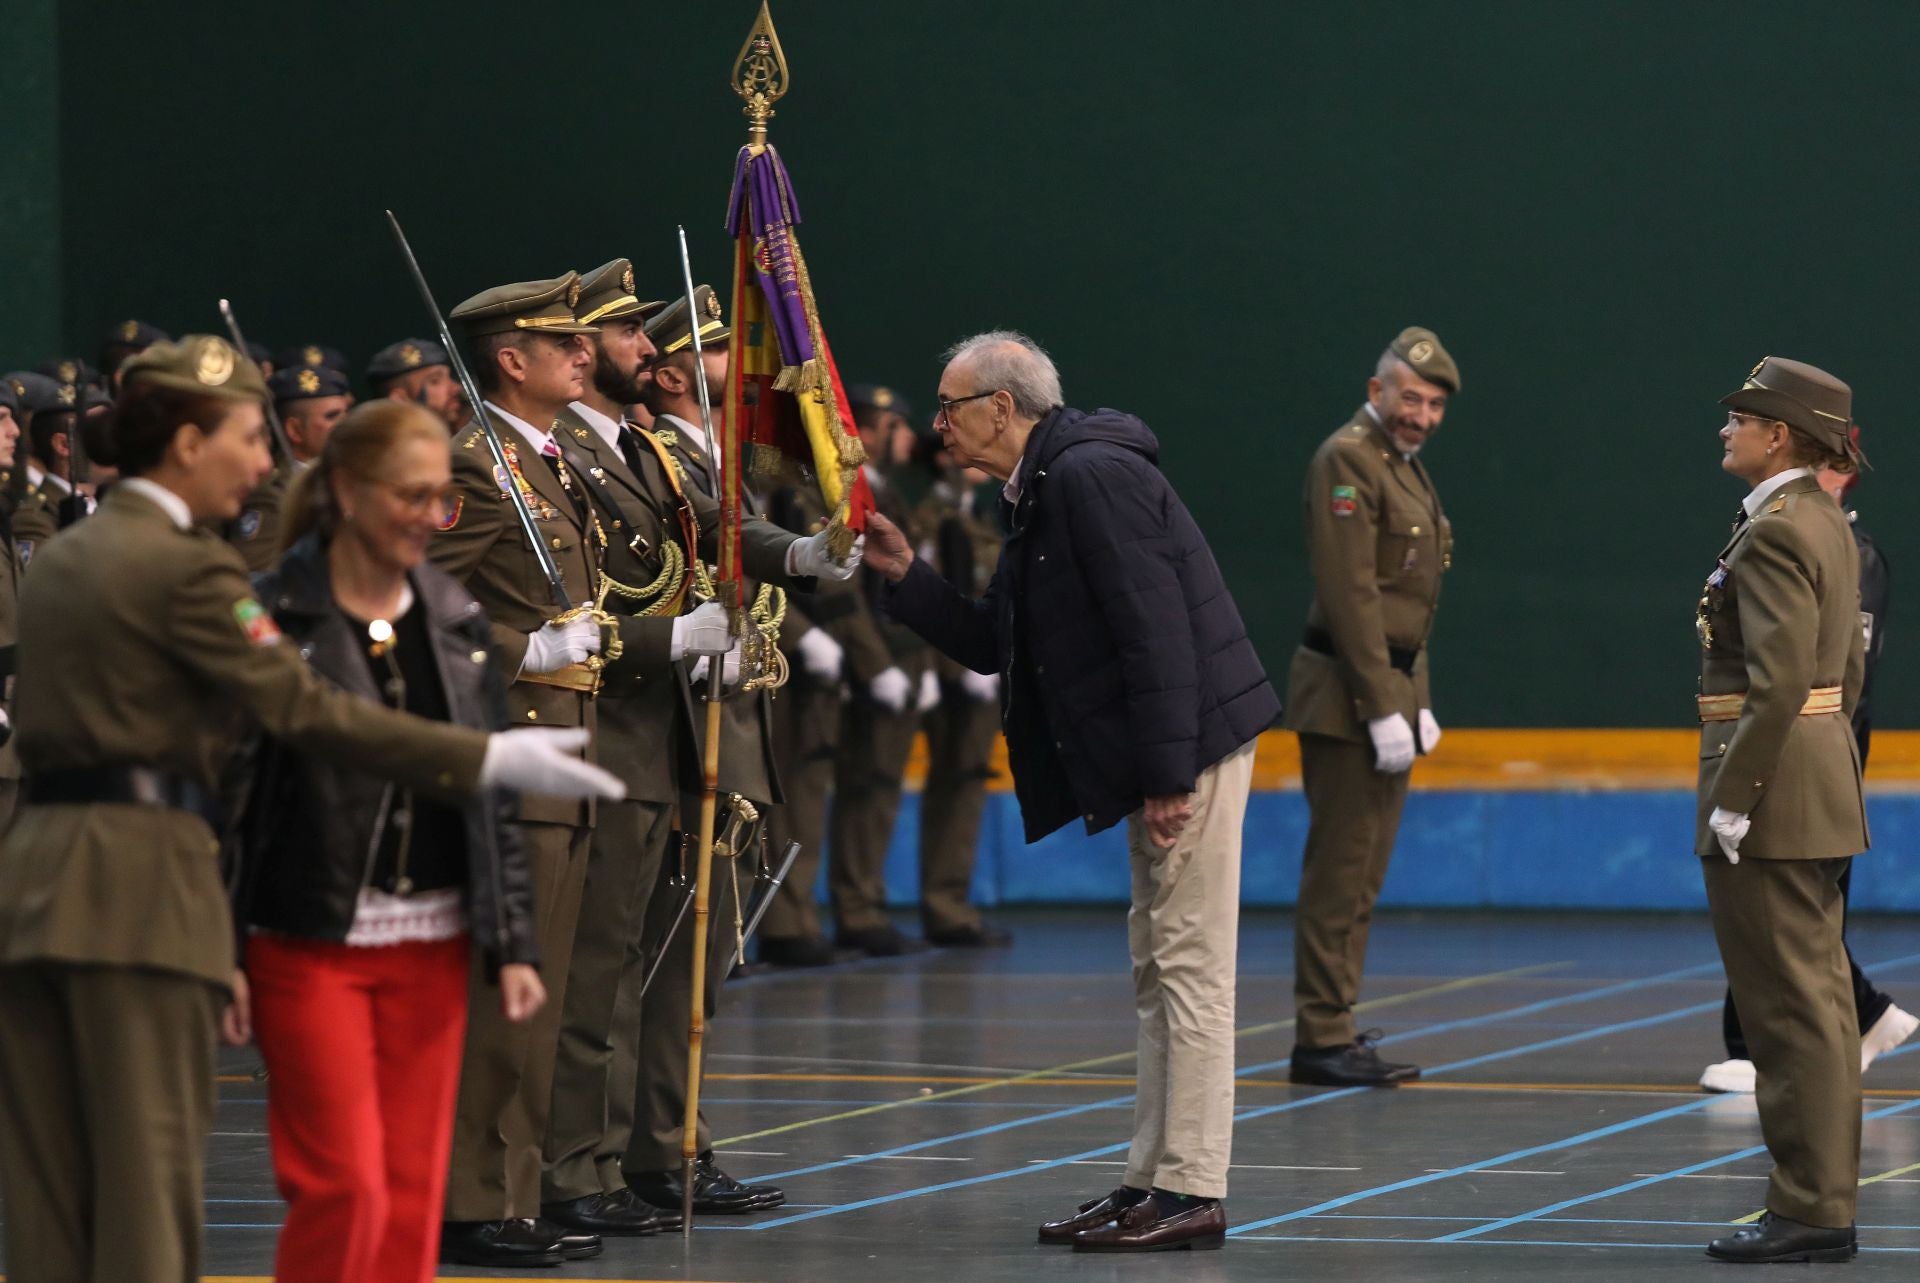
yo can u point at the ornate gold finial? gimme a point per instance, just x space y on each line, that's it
760 77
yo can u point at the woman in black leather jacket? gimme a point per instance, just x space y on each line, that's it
365 906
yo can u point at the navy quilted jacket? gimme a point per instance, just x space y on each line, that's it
1126 668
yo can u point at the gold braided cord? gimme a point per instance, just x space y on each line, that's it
662 593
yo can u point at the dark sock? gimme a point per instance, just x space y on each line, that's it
1171 1202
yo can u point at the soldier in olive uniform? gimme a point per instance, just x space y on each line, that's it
962 539
1358 694
1780 804
143 652
127 339
310 400
43 455
9 607
883 716
313 356
417 370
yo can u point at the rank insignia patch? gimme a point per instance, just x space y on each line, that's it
451 516
255 622
249 524
23 549
1343 504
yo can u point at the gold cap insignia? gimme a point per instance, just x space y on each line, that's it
410 355
1419 352
69 371
882 397
130 330
626 281
19 388
68 394
573 295
713 305
1754 373
308 381
313 356
215 363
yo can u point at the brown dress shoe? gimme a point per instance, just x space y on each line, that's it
1091 1215
1147 1227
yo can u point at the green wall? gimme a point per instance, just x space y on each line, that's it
1214 214
29 182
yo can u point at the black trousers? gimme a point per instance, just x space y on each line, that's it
1869 1003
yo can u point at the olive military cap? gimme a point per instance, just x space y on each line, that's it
201 363
542 307
1420 348
1801 396
304 383
606 294
36 392
396 359
670 331
313 356
877 397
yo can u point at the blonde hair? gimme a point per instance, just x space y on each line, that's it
359 444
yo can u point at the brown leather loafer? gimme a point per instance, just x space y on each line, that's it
1144 1227
1101 1211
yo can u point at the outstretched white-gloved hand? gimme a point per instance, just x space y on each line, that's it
704 630
891 689
1429 730
1392 743
545 760
809 556
929 692
729 669
555 645
1729 829
984 687
821 655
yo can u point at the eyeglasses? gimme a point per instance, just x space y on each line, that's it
946 405
438 500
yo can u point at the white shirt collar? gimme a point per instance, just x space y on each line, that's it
533 436
1765 490
168 502
609 429
1011 490
40 477
691 431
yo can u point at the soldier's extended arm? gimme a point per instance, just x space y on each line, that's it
1343 535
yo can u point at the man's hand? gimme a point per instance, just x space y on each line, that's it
891 689
929 697
521 993
1392 743
887 548
236 1022
984 687
1167 816
821 655
1729 829
1429 731
810 557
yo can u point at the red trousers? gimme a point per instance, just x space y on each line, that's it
362 1047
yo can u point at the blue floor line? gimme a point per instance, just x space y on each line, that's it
1643 1182
1512 1156
1506 1242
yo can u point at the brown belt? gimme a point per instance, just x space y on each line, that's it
1726 708
574 677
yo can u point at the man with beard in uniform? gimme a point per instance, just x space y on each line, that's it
417 370
310 401
1357 694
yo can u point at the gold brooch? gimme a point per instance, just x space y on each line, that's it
410 355
626 280
713 305
313 356
309 381
130 330
215 363
1419 352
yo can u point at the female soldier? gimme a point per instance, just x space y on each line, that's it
141 643
1780 809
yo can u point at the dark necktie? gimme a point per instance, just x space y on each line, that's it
1739 518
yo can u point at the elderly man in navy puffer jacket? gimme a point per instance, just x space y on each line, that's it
1130 691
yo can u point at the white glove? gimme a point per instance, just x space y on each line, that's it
556 644
1729 827
1429 730
545 760
821 655
1392 744
729 669
891 689
984 687
704 630
929 692
809 556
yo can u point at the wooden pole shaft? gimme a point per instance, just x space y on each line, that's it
702 886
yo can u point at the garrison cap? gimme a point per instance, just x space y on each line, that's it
259 353
203 363
313 356
37 392
304 383
407 355
878 397
94 397
542 307
9 399
1420 348
68 369
606 294
135 334
670 331
1801 396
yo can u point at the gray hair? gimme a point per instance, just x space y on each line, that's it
1389 361
1007 360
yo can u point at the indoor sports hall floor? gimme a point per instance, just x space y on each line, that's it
925 1113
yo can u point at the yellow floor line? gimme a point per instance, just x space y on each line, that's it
1055 1071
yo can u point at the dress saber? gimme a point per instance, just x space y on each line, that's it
774 883
503 471
273 416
